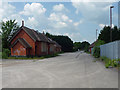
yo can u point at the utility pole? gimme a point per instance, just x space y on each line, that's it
96 34
111 23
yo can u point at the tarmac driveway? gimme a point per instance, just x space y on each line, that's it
69 70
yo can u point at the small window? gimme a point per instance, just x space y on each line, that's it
51 48
43 47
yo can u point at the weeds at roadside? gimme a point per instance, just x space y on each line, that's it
94 60
111 63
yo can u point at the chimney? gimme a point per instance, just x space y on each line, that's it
43 33
22 23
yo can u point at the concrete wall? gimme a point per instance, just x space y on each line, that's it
111 50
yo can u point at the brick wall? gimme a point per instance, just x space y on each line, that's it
23 34
18 50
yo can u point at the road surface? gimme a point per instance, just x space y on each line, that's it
69 70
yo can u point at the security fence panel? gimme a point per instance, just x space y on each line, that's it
111 50
119 49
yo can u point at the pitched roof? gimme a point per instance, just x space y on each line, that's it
51 41
35 35
57 45
23 42
93 44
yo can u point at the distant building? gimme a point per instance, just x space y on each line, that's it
28 42
91 47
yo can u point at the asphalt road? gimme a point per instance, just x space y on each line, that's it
69 70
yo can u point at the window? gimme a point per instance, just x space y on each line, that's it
51 48
43 47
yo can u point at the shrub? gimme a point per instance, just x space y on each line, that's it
5 53
96 52
103 58
106 65
115 63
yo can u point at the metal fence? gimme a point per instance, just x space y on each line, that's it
111 50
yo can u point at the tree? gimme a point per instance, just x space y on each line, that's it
96 49
115 34
99 42
0 43
8 30
77 45
105 34
65 42
81 46
84 45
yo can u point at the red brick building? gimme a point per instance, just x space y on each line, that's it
28 42
92 46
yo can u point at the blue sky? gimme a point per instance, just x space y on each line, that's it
78 20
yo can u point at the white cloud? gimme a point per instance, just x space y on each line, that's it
74 36
59 8
32 22
70 21
33 9
96 12
59 20
54 17
77 23
64 17
58 17
61 25
6 10
101 26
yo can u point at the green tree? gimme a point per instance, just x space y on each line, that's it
96 49
115 34
86 48
99 42
8 30
65 42
0 43
84 45
77 45
105 34
81 46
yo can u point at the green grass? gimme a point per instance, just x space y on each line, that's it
109 62
31 58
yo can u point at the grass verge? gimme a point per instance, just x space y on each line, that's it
110 63
30 58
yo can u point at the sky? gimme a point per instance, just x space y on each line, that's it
78 20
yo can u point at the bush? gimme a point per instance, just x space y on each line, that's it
103 58
5 53
107 65
96 52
